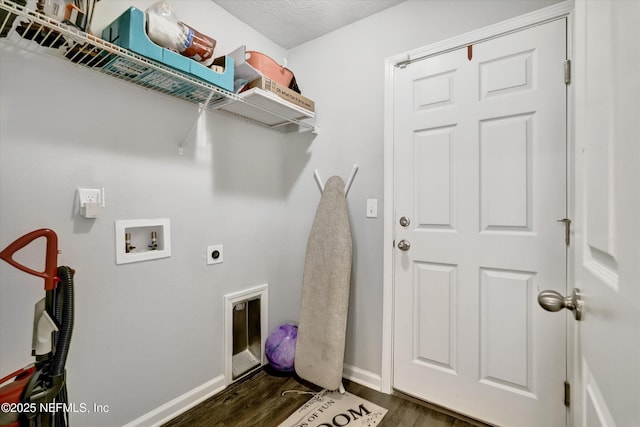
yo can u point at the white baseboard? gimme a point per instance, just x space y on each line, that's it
180 404
362 377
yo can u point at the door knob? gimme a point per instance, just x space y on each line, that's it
553 301
404 245
404 221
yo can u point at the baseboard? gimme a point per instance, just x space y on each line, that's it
180 404
362 377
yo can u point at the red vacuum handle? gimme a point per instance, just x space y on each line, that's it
50 273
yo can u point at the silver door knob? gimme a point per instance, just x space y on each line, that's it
404 245
404 221
553 301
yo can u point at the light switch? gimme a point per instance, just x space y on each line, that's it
372 208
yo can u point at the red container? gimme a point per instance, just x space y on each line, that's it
198 46
269 67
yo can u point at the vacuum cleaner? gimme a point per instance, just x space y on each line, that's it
36 396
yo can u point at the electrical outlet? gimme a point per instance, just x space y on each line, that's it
91 201
91 195
214 254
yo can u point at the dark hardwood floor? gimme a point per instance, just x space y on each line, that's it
257 401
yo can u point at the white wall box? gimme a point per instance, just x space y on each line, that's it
68 43
142 240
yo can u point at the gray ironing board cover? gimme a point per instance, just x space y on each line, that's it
324 303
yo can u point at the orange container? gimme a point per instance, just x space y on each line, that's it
269 67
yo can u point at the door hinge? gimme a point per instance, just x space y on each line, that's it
567 394
567 230
567 71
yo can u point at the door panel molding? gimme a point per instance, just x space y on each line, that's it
558 11
606 383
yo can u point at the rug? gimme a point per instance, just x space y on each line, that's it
330 408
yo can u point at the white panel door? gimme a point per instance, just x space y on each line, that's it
480 178
607 358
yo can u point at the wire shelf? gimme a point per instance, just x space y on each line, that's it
32 31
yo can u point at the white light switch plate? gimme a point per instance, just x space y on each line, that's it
372 208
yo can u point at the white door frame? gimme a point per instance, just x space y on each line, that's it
557 11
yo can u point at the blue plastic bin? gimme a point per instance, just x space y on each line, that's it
128 31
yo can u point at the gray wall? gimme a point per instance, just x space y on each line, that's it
145 332
149 332
344 73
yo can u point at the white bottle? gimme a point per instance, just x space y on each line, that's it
164 29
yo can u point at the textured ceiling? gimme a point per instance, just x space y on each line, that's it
292 22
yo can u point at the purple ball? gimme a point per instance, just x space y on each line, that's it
280 347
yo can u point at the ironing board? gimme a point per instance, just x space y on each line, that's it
325 292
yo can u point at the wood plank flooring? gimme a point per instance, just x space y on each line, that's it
257 401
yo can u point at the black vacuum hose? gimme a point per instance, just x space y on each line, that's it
64 309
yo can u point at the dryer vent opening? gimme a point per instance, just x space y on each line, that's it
246 332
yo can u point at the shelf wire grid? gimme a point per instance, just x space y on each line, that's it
35 32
